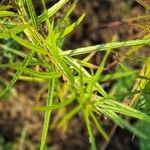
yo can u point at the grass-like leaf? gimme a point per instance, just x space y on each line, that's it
32 13
65 16
28 45
49 102
70 28
99 127
8 32
7 13
18 73
113 116
51 11
13 51
123 109
70 115
89 129
102 47
144 4
74 64
5 7
55 106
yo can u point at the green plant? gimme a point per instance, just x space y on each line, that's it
59 68
4 145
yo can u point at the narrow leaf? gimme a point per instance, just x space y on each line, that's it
32 13
51 88
102 47
70 28
51 11
7 13
18 73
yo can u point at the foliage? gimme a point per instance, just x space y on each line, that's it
58 68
